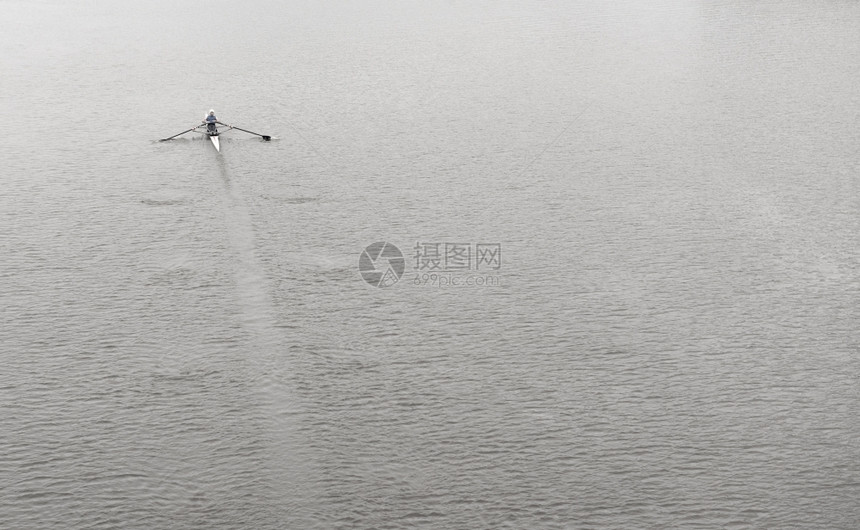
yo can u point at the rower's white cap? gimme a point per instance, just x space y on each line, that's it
211 111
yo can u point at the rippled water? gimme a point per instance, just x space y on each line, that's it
672 342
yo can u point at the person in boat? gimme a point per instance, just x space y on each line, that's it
211 120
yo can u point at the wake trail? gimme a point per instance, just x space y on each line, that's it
291 470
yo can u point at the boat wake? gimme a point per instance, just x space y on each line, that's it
266 348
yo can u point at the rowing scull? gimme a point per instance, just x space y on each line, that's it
215 141
213 133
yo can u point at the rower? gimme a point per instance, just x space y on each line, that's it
211 120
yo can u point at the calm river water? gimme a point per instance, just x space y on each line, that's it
644 308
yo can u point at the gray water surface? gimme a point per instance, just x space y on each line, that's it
671 339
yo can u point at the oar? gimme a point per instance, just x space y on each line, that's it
180 134
263 136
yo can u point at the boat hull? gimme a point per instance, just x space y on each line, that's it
216 142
